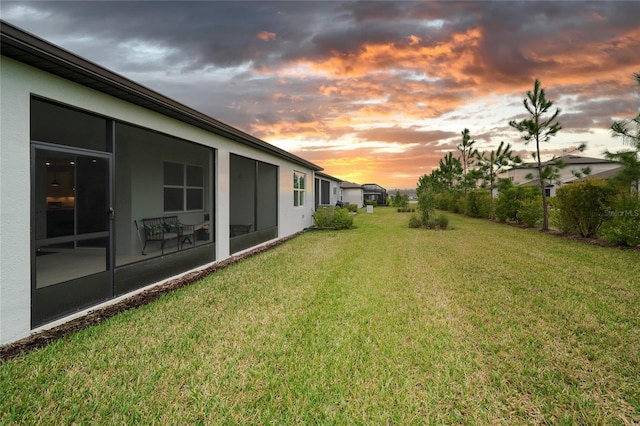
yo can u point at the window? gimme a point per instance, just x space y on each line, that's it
298 188
183 187
325 192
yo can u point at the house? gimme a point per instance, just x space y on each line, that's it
575 164
327 190
607 174
374 192
352 193
108 186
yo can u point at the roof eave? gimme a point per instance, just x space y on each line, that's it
34 51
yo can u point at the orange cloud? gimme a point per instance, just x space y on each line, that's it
266 36
391 85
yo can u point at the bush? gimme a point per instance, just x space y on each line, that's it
323 218
622 221
478 203
439 222
431 224
370 202
406 210
581 206
510 201
415 222
342 219
400 201
442 221
333 217
452 201
427 204
530 212
351 207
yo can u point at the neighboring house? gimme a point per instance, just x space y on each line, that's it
575 164
607 174
352 193
88 155
374 192
327 190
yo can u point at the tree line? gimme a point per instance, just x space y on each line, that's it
468 181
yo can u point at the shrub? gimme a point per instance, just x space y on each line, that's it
439 222
406 210
427 204
333 217
431 224
323 218
400 201
530 212
351 207
415 222
581 206
478 203
622 221
442 221
452 201
460 205
510 201
370 202
342 219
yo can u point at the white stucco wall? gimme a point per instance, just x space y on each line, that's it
353 196
566 174
335 193
15 264
17 83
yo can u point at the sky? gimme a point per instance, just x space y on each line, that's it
372 92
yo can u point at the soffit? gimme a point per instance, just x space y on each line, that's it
38 53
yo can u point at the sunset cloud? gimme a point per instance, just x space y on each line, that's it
371 91
266 36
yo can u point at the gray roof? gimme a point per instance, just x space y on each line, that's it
569 160
326 176
578 159
348 185
602 175
373 186
32 50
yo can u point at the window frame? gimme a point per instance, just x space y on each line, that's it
299 188
185 187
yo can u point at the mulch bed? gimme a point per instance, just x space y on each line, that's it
40 339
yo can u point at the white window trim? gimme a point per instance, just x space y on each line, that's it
299 193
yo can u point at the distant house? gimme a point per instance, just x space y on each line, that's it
374 192
108 186
352 193
607 174
575 164
327 190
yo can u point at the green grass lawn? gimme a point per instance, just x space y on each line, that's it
382 324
